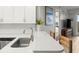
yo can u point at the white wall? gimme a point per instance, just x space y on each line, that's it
64 12
41 14
73 14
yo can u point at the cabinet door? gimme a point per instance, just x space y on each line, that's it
7 14
19 14
30 14
1 14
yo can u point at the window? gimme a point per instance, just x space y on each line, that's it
77 23
77 18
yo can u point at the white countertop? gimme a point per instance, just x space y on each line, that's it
42 42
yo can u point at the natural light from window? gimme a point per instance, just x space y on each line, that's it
77 18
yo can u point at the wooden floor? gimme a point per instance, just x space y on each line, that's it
75 44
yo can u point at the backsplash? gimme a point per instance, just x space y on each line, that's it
19 28
15 28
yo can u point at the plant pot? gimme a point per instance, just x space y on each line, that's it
38 27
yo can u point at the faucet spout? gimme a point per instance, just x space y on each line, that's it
24 31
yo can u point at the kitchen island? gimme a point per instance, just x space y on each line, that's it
42 43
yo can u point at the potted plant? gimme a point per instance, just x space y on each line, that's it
39 23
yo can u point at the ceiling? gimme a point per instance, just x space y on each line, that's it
66 7
70 7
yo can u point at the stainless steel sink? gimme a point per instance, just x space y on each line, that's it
21 42
5 41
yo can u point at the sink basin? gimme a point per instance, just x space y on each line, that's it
5 41
21 42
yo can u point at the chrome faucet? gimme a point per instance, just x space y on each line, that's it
24 31
32 37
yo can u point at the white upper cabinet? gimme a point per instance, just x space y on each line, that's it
1 14
8 14
30 14
19 14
